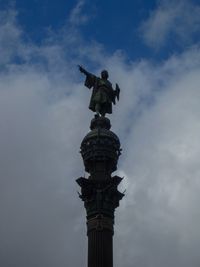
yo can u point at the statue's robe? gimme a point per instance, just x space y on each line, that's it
102 93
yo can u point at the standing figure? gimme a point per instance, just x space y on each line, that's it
103 95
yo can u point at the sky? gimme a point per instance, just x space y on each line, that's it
152 50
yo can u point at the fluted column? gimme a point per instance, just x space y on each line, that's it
100 241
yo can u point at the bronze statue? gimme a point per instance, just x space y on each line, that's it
103 95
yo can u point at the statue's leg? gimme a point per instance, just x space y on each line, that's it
97 108
103 110
103 113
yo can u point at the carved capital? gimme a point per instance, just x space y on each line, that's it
99 223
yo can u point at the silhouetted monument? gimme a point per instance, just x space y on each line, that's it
103 95
100 150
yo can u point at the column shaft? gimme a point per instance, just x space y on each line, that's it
100 248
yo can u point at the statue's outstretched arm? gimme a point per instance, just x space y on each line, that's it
83 70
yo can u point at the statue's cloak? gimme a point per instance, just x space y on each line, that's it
102 93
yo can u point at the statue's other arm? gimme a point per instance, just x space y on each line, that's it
117 91
116 94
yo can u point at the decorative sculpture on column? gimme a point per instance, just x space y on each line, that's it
103 95
100 150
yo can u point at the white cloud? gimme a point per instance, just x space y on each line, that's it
77 17
9 34
175 22
162 164
43 118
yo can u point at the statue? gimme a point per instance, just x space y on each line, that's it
103 95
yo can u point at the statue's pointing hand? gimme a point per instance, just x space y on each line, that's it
83 70
80 68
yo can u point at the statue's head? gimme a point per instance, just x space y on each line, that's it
104 74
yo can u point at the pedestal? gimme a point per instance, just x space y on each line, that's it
100 150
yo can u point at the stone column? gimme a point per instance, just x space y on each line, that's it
100 150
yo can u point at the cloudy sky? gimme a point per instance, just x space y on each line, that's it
152 50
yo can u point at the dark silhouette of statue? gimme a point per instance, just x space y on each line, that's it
103 94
